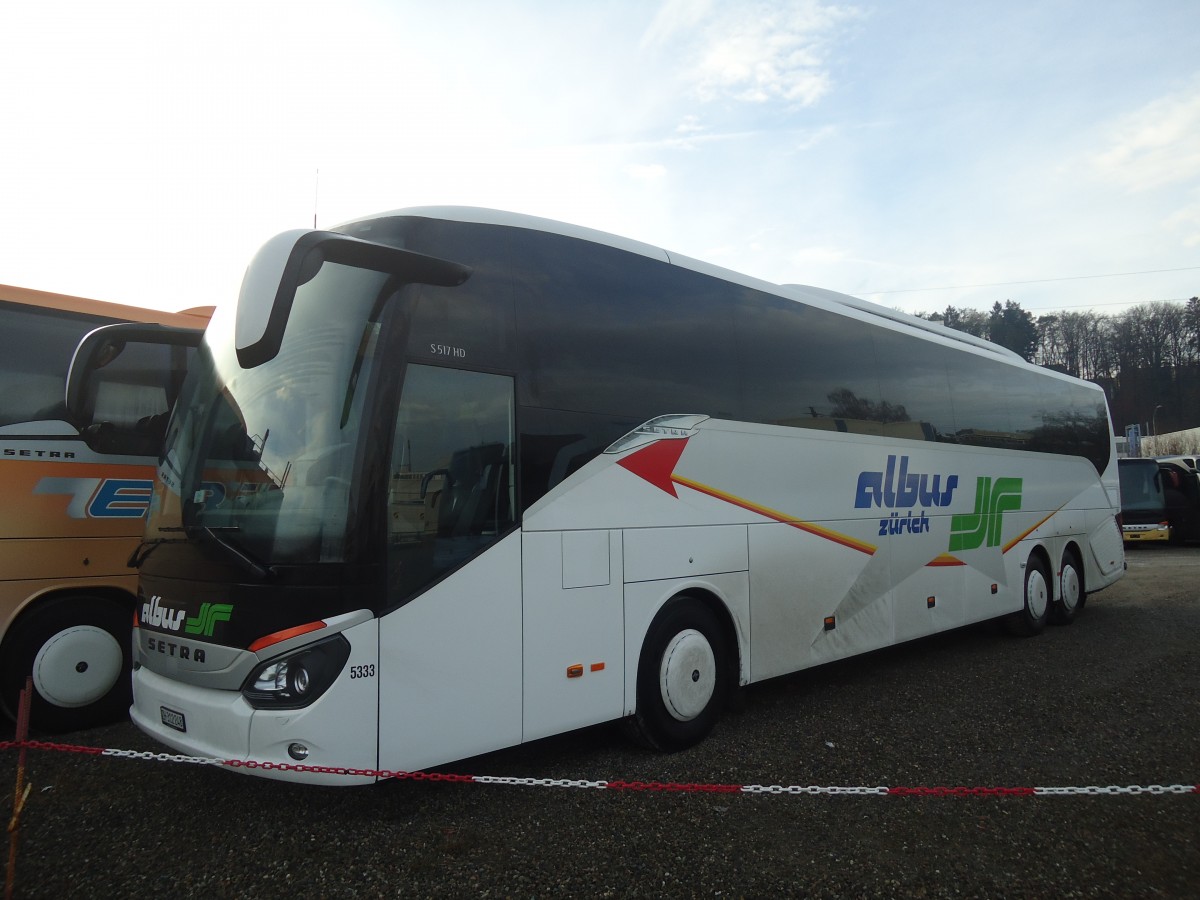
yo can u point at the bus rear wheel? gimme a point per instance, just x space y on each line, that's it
683 677
1032 617
1071 594
77 648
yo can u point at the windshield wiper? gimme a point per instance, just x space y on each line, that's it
145 548
234 552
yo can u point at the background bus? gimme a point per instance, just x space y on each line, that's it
452 480
1160 500
1143 503
76 486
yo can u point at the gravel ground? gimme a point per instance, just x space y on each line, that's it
1113 699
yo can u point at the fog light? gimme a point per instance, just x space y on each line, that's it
298 752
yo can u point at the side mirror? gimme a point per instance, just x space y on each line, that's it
126 373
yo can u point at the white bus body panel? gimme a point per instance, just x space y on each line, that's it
883 573
338 729
574 672
796 580
450 665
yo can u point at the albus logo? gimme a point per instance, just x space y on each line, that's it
156 615
903 489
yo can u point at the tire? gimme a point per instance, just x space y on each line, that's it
1071 593
1032 617
78 649
683 677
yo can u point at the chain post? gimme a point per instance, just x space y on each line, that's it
21 793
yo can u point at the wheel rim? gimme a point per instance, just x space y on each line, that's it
77 666
1071 587
687 676
1037 594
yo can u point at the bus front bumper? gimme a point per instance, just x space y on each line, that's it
221 725
1140 533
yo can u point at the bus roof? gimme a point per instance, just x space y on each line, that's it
818 296
195 317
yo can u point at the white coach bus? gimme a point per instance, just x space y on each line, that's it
446 480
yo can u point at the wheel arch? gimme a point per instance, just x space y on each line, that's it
665 712
62 616
1040 552
725 596
708 598
111 593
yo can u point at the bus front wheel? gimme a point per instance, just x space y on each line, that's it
77 648
1031 618
682 679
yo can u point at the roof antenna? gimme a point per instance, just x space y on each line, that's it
316 195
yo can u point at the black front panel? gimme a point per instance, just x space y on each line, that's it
234 614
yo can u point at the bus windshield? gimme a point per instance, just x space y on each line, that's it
261 459
1141 486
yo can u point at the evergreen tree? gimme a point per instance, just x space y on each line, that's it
1014 328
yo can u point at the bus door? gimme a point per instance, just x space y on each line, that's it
450 646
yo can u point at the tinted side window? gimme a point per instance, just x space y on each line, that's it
981 415
1003 406
555 444
35 350
605 331
1094 437
914 374
1060 423
1026 402
808 368
130 398
139 383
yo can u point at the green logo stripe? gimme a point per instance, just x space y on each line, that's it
968 531
210 614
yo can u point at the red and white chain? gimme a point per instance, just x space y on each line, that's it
643 786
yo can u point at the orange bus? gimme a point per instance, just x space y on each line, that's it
75 476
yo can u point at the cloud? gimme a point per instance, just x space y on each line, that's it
646 172
1187 221
756 52
1156 145
808 256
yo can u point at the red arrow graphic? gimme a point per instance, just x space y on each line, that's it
656 463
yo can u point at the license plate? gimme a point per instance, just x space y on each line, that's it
173 719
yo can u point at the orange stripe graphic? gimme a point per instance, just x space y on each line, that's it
1023 535
827 533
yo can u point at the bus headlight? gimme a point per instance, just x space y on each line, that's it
297 678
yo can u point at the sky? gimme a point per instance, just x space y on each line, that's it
917 153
